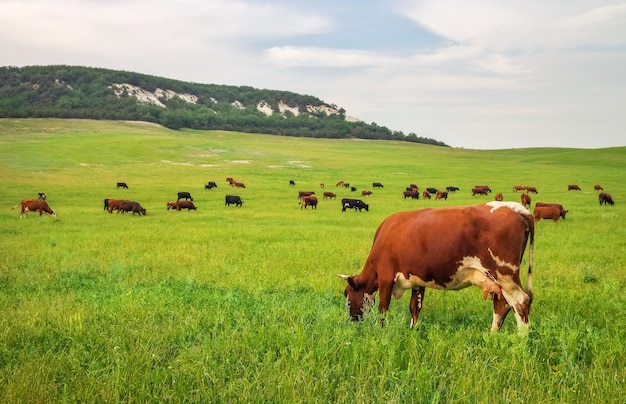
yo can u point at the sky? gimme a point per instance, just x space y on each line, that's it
474 74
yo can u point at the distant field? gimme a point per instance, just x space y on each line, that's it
228 304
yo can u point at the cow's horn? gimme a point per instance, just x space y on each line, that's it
344 277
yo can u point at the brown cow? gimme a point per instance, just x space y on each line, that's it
605 198
547 212
411 194
113 204
558 205
404 256
366 193
525 200
499 197
598 187
426 194
305 193
309 201
329 195
178 205
131 206
339 184
480 190
441 195
573 187
531 189
29 205
518 188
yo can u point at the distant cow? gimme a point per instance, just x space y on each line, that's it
113 204
230 180
179 205
480 245
531 189
184 195
499 197
452 189
354 204
411 194
480 190
238 185
29 205
122 185
558 205
518 188
329 195
210 185
292 182
525 200
309 201
233 199
441 195
366 193
352 189
546 212
573 187
377 185
321 185
426 194
305 193
598 187
432 190
42 196
605 198
131 206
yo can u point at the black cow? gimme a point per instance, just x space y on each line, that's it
452 189
352 189
292 182
432 190
210 185
122 185
377 185
131 206
354 204
233 199
184 195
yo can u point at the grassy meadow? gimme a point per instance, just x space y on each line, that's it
241 304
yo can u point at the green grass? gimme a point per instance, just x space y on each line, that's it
228 304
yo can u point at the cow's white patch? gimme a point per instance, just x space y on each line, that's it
502 263
514 206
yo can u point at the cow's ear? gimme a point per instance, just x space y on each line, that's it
353 282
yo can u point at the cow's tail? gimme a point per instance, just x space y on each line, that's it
530 223
15 206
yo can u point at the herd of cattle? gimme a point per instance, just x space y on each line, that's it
306 199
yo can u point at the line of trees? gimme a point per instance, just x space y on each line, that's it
87 93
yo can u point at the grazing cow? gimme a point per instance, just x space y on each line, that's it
432 190
321 185
210 185
366 193
531 189
518 188
525 200
546 212
113 204
346 185
42 196
558 205
573 187
452 189
230 180
426 194
354 204
339 184
179 205
377 185
29 205
305 193
480 190
131 206
499 197
411 194
329 195
122 185
605 198
233 199
598 187
309 201
413 186
441 195
184 195
404 256
292 182
352 189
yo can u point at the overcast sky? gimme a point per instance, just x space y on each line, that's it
485 74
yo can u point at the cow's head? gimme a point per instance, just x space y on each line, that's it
563 213
358 299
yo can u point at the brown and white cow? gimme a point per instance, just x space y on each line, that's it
441 195
308 201
547 212
518 188
405 255
426 194
499 197
366 192
605 198
29 205
525 199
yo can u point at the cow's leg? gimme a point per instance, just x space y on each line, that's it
385 287
417 298
500 310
